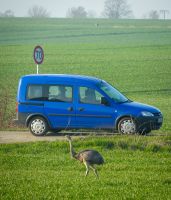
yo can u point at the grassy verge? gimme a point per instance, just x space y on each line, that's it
136 167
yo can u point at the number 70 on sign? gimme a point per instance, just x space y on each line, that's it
38 56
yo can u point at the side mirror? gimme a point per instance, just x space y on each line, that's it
104 101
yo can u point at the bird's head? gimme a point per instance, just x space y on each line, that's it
68 137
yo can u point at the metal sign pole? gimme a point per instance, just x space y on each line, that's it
37 69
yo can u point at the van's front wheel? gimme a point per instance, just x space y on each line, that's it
38 126
127 126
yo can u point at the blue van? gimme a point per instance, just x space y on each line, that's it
57 102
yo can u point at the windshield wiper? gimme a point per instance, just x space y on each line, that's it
127 101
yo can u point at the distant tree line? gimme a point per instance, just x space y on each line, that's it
80 12
114 9
38 12
153 14
7 13
76 12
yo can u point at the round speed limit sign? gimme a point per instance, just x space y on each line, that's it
38 54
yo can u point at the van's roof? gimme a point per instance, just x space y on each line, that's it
62 77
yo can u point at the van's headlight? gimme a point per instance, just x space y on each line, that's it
147 114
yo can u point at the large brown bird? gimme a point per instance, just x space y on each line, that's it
88 157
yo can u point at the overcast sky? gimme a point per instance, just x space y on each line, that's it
58 8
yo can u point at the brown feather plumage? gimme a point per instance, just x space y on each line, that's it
88 157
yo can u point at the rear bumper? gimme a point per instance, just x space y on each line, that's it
16 122
20 119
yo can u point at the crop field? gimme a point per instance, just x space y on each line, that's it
133 55
135 168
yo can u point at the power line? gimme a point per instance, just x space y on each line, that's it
164 13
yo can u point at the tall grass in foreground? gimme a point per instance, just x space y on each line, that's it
136 167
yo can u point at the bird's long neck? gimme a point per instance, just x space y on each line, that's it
72 152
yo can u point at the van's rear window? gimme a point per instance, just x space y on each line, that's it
35 92
58 93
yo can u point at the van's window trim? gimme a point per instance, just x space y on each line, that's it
44 89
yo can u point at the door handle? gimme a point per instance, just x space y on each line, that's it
70 108
80 109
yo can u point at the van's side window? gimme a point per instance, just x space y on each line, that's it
60 93
35 92
90 96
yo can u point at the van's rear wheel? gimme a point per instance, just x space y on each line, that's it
127 126
38 126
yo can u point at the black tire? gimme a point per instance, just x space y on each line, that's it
127 126
144 131
38 126
55 130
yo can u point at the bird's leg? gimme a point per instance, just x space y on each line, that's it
87 167
94 170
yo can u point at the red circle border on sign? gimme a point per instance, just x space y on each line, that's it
42 54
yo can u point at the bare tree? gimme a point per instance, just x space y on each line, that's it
38 12
153 14
7 13
76 12
117 9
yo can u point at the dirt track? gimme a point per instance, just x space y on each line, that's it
7 137
25 136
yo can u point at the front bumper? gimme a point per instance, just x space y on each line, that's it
149 123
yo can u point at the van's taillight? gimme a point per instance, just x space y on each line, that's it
16 107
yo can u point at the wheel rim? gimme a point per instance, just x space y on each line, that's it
127 126
38 126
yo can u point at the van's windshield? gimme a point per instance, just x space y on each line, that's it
113 93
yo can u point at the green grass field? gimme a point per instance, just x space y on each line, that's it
133 55
135 168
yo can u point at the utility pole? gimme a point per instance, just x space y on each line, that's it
164 13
